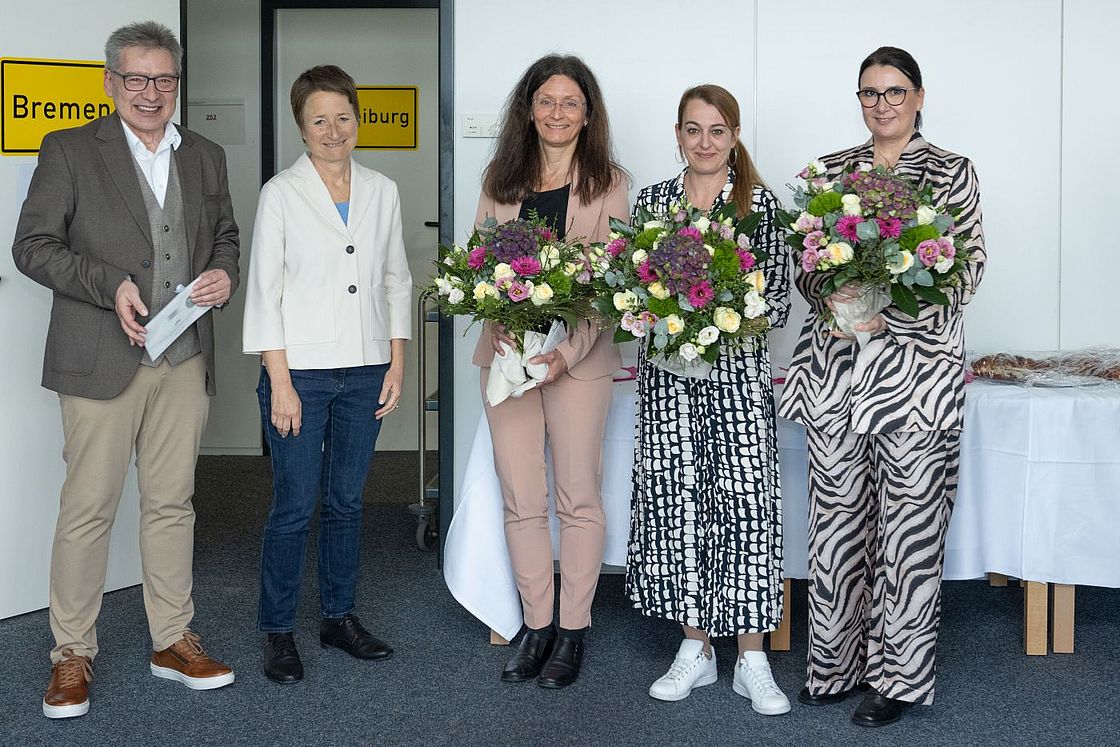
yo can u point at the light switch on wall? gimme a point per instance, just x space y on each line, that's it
480 125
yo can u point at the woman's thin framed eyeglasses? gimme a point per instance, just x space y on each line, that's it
568 105
894 95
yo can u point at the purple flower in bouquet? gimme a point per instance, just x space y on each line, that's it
515 239
617 246
947 248
727 233
746 260
692 231
646 273
545 233
929 251
680 260
809 259
649 318
884 195
889 228
701 294
815 240
846 227
807 222
518 292
525 266
476 258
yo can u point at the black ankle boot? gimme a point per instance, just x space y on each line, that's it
878 710
562 668
281 660
526 663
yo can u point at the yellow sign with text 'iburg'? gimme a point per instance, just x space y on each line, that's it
41 96
387 117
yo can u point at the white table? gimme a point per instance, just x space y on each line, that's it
1039 497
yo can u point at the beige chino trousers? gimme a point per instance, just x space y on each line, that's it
161 414
573 413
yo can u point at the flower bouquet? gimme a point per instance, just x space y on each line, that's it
876 231
519 275
685 284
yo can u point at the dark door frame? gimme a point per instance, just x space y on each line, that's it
446 381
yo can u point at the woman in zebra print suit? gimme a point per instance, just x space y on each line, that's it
706 523
884 426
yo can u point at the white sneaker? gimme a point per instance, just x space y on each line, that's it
756 683
690 669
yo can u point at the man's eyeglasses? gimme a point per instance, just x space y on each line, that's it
569 106
869 97
137 82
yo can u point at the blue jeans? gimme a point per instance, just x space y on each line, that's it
329 458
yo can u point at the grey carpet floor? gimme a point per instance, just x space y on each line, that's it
442 688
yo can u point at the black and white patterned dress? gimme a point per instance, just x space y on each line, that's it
706 515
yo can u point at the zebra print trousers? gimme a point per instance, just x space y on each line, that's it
879 509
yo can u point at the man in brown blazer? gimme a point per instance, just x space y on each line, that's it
119 214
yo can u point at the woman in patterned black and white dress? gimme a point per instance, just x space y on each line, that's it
884 426
706 523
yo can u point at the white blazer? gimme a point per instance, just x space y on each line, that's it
330 294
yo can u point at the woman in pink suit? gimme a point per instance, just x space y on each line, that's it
554 158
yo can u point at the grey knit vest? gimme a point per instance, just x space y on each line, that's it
171 266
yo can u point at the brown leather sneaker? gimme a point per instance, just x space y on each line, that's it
187 662
68 691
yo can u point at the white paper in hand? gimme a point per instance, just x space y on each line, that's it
512 375
173 320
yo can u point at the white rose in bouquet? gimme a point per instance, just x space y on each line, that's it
707 336
625 301
689 352
674 325
726 319
542 294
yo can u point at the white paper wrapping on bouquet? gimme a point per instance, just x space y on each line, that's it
511 374
860 310
678 366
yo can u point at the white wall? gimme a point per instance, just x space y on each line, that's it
31 467
997 74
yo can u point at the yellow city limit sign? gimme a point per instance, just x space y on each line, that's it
387 117
41 96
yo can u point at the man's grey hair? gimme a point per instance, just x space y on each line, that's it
146 34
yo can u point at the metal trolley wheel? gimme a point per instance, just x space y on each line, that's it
427 532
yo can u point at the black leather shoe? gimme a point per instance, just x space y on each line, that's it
281 660
562 667
805 698
530 657
348 634
878 710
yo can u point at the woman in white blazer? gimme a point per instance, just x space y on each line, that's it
328 308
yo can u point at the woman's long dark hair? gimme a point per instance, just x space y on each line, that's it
900 60
746 175
516 169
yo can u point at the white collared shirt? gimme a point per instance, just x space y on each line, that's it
156 166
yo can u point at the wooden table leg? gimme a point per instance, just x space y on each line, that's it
779 639
1035 618
497 640
997 579
1063 618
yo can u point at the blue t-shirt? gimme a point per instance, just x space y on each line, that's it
343 210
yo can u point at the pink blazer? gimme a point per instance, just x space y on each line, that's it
589 351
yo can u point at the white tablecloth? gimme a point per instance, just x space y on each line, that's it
1039 497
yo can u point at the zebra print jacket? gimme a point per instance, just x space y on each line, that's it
910 377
